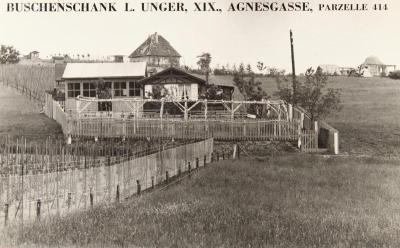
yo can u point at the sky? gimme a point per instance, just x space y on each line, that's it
341 38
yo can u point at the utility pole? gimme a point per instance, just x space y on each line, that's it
294 82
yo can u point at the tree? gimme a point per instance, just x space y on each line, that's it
204 64
248 69
260 66
8 55
312 94
249 88
241 68
251 91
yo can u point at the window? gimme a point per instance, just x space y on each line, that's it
119 88
134 89
89 89
74 89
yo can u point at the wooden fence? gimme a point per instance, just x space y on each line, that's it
179 129
27 197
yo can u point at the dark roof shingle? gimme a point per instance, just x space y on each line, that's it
155 45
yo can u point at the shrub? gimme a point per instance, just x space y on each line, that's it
395 74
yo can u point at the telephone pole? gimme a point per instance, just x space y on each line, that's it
294 83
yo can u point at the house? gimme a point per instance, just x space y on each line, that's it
122 82
157 52
102 81
373 66
34 55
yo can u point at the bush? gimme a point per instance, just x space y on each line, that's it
395 74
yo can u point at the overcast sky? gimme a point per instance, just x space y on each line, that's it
345 38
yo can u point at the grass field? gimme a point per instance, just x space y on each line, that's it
20 117
283 201
286 201
369 122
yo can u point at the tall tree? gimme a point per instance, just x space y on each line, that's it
204 64
312 94
8 55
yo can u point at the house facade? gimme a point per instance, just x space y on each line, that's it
102 81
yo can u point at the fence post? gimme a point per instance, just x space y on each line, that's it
167 177
38 205
69 200
152 182
138 187
117 196
91 199
197 163
6 206
205 160
217 158
189 169
336 142
179 171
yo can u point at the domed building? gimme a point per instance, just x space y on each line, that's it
376 67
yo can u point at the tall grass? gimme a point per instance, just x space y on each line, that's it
283 202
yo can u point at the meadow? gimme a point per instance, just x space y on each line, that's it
368 123
286 201
290 200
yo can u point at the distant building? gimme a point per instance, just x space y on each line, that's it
157 52
330 69
34 55
375 67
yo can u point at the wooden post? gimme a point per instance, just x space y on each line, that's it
205 160
166 177
290 112
186 116
69 200
162 109
38 205
205 109
336 142
189 169
197 163
138 187
117 195
91 199
6 206
294 83
152 182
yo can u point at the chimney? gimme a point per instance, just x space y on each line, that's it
156 37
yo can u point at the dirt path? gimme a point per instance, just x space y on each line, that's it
20 117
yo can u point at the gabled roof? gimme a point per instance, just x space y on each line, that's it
155 45
171 72
104 70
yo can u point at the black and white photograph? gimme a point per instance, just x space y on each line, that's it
227 123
